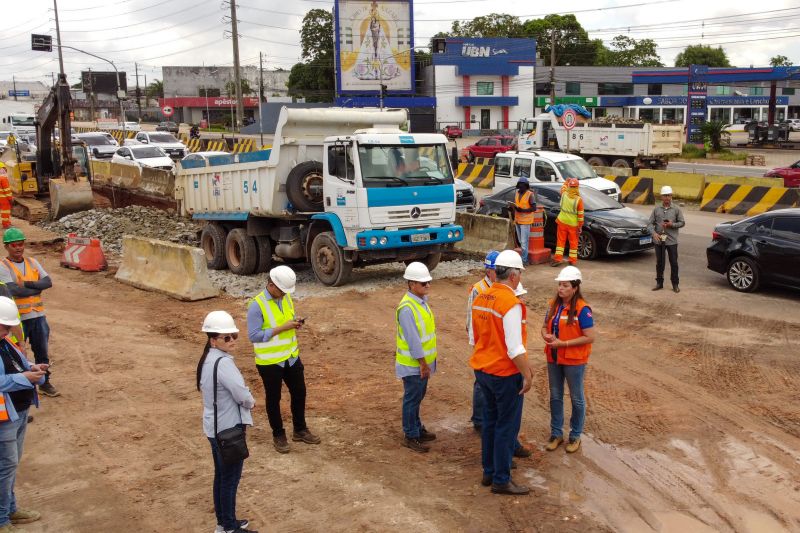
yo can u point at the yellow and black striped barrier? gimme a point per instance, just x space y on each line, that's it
633 189
477 174
243 145
193 145
218 145
746 199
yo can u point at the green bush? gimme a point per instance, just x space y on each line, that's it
691 151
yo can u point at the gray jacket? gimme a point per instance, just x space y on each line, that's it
234 400
662 214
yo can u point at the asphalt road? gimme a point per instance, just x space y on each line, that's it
719 170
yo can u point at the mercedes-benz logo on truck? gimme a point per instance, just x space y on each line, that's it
415 212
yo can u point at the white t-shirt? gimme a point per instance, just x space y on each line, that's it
7 276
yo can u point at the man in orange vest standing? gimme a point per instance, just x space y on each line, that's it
524 206
6 198
569 222
26 279
500 362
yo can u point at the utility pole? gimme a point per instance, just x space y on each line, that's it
14 82
260 95
91 97
238 82
138 93
553 38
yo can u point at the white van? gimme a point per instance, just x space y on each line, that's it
548 166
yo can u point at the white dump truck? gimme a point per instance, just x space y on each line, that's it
623 145
340 188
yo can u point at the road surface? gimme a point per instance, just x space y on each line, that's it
718 170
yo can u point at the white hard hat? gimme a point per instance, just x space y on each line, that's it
9 314
219 322
520 290
666 189
284 278
510 259
569 273
416 271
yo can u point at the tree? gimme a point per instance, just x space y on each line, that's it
713 131
628 52
492 25
230 88
780 61
572 42
316 35
155 89
699 54
313 79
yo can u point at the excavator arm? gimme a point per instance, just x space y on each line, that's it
52 162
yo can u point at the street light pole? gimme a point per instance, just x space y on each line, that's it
121 111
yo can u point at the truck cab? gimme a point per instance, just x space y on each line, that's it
21 124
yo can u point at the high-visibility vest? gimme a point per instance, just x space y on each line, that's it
4 416
426 328
490 353
572 355
524 202
5 188
10 336
571 211
28 304
282 346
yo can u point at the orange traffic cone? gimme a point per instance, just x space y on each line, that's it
537 253
83 254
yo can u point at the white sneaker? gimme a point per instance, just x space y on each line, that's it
242 525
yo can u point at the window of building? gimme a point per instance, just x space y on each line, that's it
756 91
209 91
543 89
723 90
787 91
573 88
485 88
608 89
654 89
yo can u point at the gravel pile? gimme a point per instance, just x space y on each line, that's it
110 225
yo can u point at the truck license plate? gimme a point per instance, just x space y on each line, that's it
420 237
645 240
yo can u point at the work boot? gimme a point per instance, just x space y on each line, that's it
658 287
675 289
573 445
305 436
522 451
553 443
281 444
426 436
48 390
510 488
242 525
9 528
416 445
25 516
486 480
555 263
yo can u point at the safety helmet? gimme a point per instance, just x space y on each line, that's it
416 271
524 180
13 235
2 165
9 314
284 278
490 259
510 259
573 182
520 290
219 322
666 190
569 273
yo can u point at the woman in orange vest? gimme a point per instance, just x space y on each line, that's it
6 198
568 333
524 206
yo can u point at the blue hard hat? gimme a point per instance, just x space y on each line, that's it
491 257
523 179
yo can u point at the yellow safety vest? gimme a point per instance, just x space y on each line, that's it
569 210
426 328
282 346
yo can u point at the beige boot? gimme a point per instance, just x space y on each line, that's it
553 443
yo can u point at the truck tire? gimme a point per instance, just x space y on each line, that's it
241 253
432 260
327 260
621 163
212 241
304 186
597 161
264 253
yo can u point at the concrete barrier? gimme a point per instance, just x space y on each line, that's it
158 181
684 185
478 174
746 199
483 233
168 268
742 180
634 189
613 171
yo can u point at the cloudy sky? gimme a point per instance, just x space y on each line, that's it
154 33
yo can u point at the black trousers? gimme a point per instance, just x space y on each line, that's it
273 377
672 251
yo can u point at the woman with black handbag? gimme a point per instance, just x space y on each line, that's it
227 403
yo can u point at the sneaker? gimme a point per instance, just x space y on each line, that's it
25 516
305 436
510 488
416 445
242 524
658 287
553 443
241 530
281 444
486 480
573 445
675 289
522 451
426 436
48 390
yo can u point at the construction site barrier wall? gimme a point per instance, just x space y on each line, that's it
634 189
173 269
746 199
158 181
741 180
477 174
684 185
483 233
613 171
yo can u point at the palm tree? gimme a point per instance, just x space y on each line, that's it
154 90
714 131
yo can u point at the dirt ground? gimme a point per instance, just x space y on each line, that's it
693 419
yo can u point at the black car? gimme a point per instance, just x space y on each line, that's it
609 227
757 250
167 126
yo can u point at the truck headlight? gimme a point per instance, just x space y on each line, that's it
458 234
373 241
383 241
449 234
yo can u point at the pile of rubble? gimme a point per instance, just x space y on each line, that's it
110 225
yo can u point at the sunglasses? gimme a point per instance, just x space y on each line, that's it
228 338
424 283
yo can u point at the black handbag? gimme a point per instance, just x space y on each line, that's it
232 442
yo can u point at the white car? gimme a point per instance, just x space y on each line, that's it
793 123
143 156
166 141
100 143
4 138
465 196
202 156
130 126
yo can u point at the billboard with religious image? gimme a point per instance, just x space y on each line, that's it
374 40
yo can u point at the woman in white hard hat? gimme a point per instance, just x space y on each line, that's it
18 380
568 332
233 409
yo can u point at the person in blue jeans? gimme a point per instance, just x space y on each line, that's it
568 333
18 380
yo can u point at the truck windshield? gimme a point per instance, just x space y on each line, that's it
22 120
577 168
397 165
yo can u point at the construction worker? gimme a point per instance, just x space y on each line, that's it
524 207
26 279
415 356
568 333
272 328
500 362
6 198
664 223
569 222
18 380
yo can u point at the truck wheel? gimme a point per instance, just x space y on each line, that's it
621 163
597 161
240 250
432 260
264 252
327 260
212 241
304 186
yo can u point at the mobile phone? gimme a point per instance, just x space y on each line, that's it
301 320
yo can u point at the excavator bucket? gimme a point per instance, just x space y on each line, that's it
70 196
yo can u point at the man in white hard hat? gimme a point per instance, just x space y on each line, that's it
500 362
272 328
664 223
415 355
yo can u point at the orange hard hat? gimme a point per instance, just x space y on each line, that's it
572 182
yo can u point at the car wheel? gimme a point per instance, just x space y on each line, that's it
743 274
587 246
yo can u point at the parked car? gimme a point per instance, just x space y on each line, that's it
609 227
793 123
130 126
4 138
100 144
143 156
202 159
758 250
491 146
465 196
790 174
168 126
453 132
172 146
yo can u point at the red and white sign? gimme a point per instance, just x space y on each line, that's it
202 102
167 111
569 119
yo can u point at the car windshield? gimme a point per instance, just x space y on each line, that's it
508 141
391 165
4 134
162 138
146 152
576 168
96 140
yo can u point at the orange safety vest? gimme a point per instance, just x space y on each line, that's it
523 202
572 355
29 303
5 188
490 354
